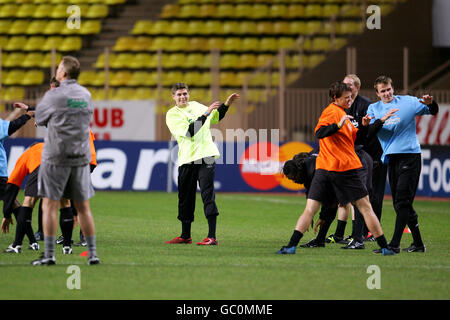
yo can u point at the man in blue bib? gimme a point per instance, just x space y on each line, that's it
402 153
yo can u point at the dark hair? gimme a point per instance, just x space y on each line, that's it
295 169
178 86
337 89
54 81
382 80
71 67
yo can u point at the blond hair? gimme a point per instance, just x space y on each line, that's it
355 79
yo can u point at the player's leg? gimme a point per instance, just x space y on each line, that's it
206 173
66 224
338 235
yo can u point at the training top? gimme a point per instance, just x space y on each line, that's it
398 133
4 126
27 163
201 144
337 151
66 111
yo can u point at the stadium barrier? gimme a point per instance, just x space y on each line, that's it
242 167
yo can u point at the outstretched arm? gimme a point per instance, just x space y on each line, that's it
224 106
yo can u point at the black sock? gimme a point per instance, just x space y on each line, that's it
322 234
20 229
185 230
295 238
27 228
66 225
381 240
340 228
415 232
212 227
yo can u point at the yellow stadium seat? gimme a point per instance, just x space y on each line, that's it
90 27
139 78
100 63
247 61
250 44
229 61
338 43
97 11
386 9
59 11
120 78
280 27
262 59
160 27
212 27
215 43
26 10
315 59
141 27
121 60
193 60
278 11
230 27
268 44
144 93
14 59
100 78
54 27
232 44
260 11
33 60
123 94
114 2
328 27
15 94
87 78
247 27
171 77
124 43
15 43
321 44
224 10
175 60
152 61
227 78
52 42
43 11
313 11
295 11
36 26
47 61
349 27
180 27
350 11
160 43
5 25
194 79
285 42
4 76
152 79
8 10
140 60
313 27
242 10
71 44
297 27
197 44
206 10
34 44
264 28
170 11
19 27
4 57
188 11
141 44
32 77
330 10
195 27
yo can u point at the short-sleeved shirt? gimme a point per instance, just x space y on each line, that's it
4 126
337 151
201 145
398 133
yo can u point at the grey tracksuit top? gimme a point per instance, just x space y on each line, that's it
66 111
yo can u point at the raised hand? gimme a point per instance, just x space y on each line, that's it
426 99
388 114
231 98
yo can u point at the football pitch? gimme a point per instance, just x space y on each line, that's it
137 264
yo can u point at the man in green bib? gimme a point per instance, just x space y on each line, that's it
189 122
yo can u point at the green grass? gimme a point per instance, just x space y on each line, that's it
136 264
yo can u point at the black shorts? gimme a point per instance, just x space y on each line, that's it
31 187
346 186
